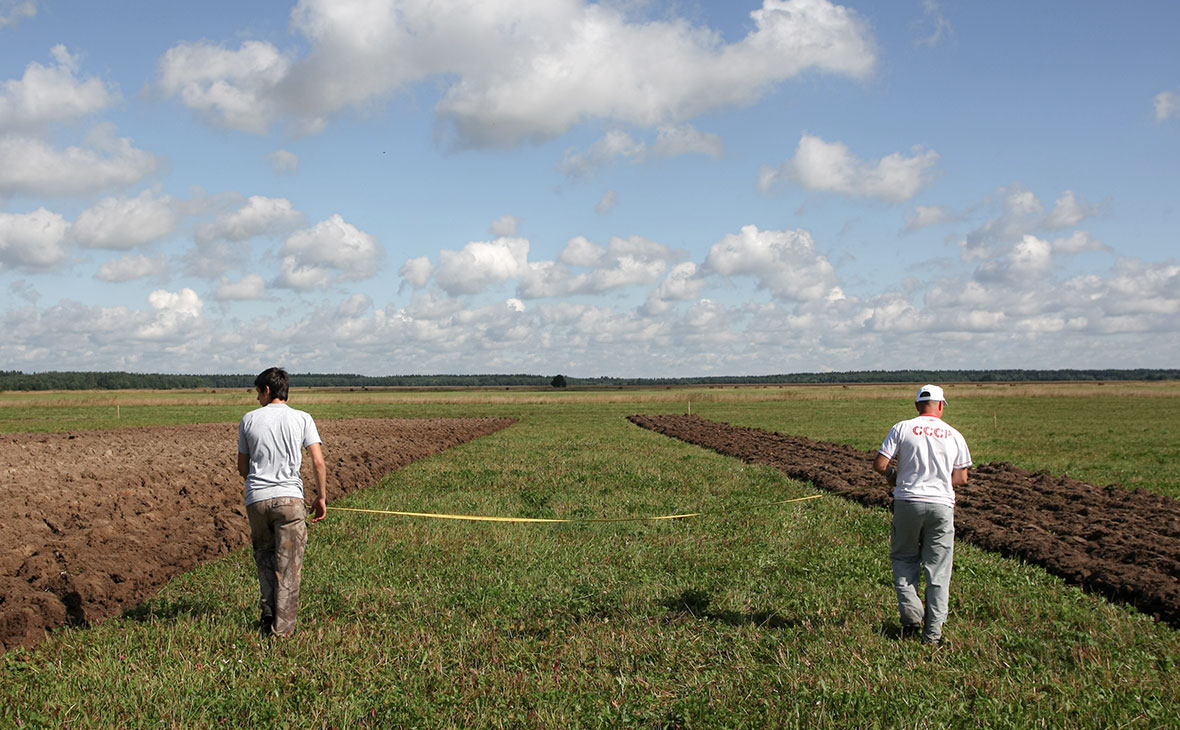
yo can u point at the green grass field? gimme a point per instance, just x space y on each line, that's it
773 617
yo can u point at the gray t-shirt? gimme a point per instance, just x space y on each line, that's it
274 437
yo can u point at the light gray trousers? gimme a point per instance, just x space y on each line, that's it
923 544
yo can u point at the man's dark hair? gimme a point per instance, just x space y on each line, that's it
276 379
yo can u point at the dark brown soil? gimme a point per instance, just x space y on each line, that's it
1122 544
97 521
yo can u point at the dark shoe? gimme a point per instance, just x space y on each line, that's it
939 643
911 632
266 625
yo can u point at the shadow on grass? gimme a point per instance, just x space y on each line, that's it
893 630
167 610
694 602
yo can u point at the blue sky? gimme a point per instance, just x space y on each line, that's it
632 188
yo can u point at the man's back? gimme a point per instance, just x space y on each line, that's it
274 436
928 450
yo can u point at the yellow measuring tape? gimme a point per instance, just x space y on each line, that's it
486 518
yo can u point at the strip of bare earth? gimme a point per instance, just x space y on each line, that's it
1122 544
98 521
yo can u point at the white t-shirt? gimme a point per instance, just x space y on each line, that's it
274 437
927 450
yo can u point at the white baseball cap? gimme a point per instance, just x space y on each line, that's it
930 392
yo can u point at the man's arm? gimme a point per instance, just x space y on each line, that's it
243 464
958 477
881 466
320 504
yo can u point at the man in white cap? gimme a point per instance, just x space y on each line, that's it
932 459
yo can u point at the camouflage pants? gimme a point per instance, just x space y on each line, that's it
278 529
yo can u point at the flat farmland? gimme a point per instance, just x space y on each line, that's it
99 520
768 616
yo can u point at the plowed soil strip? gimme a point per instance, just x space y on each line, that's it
97 521
1124 545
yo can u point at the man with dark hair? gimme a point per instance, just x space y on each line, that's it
932 459
271 440
275 380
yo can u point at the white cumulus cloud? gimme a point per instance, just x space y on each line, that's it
132 267
29 166
587 61
785 263
831 167
303 276
32 241
1028 261
682 284
1069 211
417 271
549 279
671 141
514 71
52 94
581 251
125 223
249 287
259 216
177 315
481 264
624 262
1022 213
315 257
583 267
233 88
183 303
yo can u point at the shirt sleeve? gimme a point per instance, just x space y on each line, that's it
311 434
964 459
243 447
892 441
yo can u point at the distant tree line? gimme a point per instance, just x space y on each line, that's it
17 380
898 376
